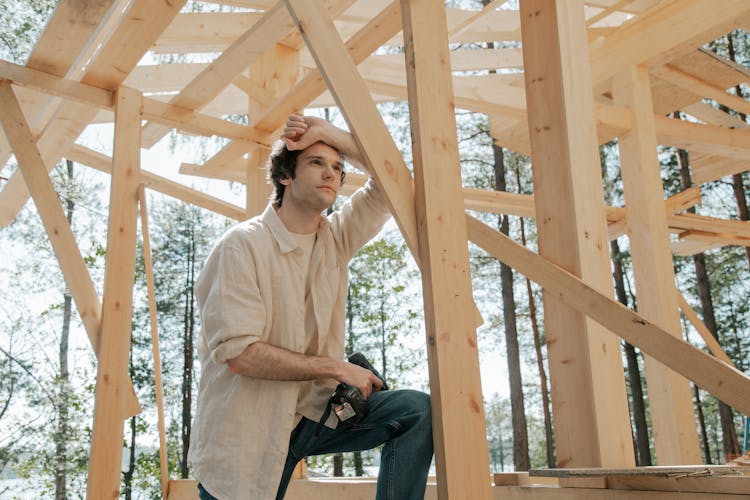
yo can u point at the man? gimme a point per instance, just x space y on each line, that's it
272 296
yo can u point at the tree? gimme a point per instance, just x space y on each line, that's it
518 411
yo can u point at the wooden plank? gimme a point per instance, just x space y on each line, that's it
592 427
702 88
51 212
663 35
716 486
117 308
737 229
60 235
262 36
370 133
275 72
713 345
138 29
103 163
706 371
459 434
196 32
655 471
158 384
670 398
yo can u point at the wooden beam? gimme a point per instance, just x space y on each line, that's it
461 453
370 133
262 36
275 72
117 309
59 232
713 345
362 44
715 376
103 163
670 399
592 427
663 34
183 119
140 26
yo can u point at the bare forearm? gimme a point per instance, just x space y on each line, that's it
266 361
261 360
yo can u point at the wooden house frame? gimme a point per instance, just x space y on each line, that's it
642 58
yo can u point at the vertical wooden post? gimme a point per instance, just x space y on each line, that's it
461 453
592 427
670 400
117 307
275 72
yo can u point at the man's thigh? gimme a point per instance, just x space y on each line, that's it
389 412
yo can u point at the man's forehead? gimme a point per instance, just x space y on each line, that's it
322 150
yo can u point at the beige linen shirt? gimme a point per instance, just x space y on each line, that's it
252 288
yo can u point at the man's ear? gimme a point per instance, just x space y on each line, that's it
285 181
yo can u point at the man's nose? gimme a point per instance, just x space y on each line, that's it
329 172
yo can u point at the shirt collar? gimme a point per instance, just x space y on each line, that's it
280 233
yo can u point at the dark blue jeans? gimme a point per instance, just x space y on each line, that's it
399 419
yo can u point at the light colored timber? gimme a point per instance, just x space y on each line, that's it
459 434
158 384
589 402
362 44
366 124
662 35
59 232
117 307
670 399
715 376
178 117
217 75
103 163
713 345
276 72
67 39
140 26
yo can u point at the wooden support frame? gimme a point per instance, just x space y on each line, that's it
715 376
592 427
671 403
457 403
56 225
117 307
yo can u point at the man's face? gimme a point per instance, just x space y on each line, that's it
317 178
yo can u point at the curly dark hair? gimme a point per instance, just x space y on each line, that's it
282 164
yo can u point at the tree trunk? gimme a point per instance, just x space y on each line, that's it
127 476
338 465
729 433
737 179
702 425
63 415
638 410
518 412
549 438
187 372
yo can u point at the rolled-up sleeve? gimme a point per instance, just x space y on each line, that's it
232 309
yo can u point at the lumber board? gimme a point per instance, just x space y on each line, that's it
588 388
368 129
142 23
56 225
713 345
721 380
117 306
103 163
195 32
459 433
651 470
664 34
263 35
670 399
